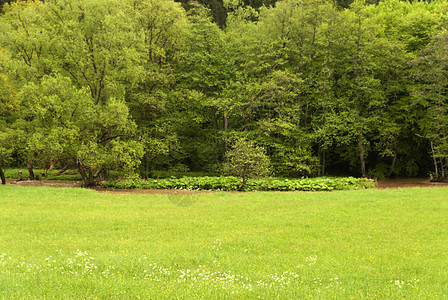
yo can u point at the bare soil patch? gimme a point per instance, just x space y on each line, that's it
397 183
47 183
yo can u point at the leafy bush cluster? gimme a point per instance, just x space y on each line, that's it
231 183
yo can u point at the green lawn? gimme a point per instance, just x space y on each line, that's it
76 243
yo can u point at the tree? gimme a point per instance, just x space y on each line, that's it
430 94
321 89
280 110
359 96
67 60
206 76
278 58
159 38
5 153
8 108
64 124
246 160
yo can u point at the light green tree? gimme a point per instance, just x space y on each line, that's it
68 61
64 124
8 109
246 161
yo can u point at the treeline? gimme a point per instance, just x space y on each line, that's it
145 85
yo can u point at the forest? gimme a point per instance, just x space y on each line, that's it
315 87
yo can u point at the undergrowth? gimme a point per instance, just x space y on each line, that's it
231 183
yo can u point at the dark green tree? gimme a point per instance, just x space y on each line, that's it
430 94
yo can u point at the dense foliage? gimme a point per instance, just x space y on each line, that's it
231 183
146 85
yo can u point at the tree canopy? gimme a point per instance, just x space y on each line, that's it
323 87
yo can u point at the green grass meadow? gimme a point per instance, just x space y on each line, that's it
69 243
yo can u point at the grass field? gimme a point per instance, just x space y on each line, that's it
77 243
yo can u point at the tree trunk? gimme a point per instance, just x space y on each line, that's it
319 154
226 143
446 161
50 168
392 166
323 162
146 176
30 169
89 180
442 168
2 175
436 169
62 170
244 176
243 184
83 174
361 156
